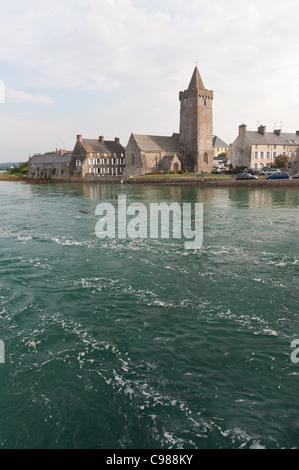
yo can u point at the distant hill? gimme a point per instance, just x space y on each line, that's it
4 166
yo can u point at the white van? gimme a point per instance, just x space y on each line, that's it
269 171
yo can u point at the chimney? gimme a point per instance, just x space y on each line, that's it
262 130
277 131
101 139
79 138
117 140
242 129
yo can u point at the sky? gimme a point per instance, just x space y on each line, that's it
113 67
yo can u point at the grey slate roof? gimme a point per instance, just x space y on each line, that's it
154 143
291 138
270 138
109 146
196 81
217 142
52 158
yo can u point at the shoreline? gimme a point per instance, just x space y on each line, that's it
191 181
214 182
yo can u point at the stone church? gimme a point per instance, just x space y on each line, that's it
191 149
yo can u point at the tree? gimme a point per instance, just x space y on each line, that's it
281 161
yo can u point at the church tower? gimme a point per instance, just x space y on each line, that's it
196 126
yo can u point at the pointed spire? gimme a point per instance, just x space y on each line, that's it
196 81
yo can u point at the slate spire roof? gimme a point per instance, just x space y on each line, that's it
196 82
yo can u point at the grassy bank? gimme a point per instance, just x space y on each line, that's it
9 177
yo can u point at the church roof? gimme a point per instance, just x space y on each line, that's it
196 81
154 143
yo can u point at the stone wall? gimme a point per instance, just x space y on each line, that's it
55 171
133 159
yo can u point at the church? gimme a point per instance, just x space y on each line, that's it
191 149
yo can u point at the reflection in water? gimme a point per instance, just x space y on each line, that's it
246 197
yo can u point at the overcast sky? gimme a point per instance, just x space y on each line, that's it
112 67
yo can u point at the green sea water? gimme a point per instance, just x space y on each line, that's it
141 344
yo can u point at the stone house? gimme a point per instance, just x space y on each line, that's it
258 149
96 158
219 146
54 165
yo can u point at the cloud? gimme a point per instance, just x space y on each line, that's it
19 96
132 57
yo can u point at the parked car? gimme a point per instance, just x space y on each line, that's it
269 171
278 176
216 171
296 176
246 176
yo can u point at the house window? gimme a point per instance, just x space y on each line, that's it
262 154
274 154
91 161
91 171
98 161
268 154
114 161
78 163
256 155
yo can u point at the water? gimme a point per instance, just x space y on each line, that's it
141 344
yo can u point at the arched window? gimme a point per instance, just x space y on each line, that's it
206 158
